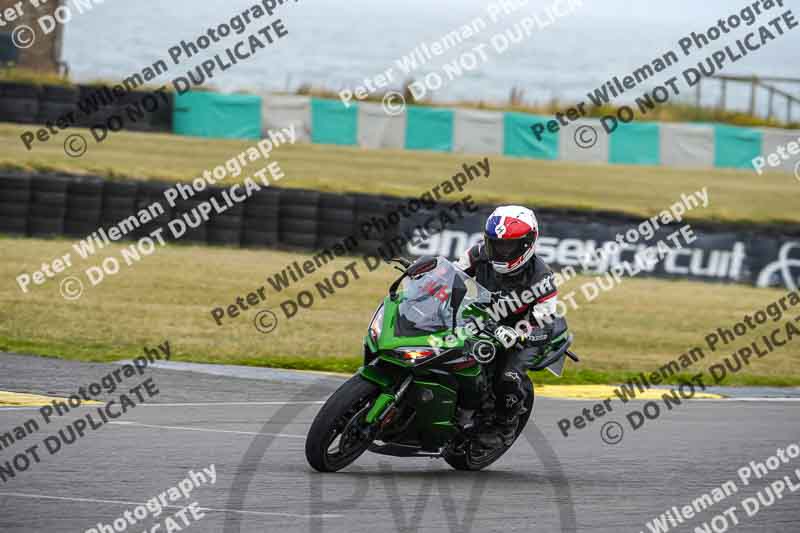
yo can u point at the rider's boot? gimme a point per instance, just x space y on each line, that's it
507 429
508 425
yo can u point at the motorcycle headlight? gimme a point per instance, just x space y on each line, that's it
376 324
415 354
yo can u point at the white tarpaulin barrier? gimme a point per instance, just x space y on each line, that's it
478 132
775 139
583 141
687 145
283 111
378 129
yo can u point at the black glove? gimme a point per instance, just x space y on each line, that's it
539 336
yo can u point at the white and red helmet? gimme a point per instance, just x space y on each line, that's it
510 235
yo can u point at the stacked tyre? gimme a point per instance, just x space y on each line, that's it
299 218
100 104
147 111
84 207
368 213
225 228
15 199
57 103
119 202
150 199
19 102
261 219
191 228
48 206
161 119
337 219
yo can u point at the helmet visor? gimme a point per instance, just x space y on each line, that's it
506 250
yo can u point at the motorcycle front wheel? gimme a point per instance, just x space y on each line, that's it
339 433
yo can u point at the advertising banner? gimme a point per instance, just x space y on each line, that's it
566 240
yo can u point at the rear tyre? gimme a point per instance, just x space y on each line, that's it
339 433
472 459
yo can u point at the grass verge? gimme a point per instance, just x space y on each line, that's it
637 327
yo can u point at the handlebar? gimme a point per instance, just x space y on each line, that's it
554 357
530 353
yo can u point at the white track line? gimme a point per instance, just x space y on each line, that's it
201 404
768 399
212 404
122 502
209 430
698 401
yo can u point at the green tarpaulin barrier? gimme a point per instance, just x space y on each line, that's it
520 140
634 144
429 128
736 147
333 123
225 116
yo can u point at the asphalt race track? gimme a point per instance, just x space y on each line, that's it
252 431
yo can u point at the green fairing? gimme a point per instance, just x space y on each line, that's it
434 418
374 375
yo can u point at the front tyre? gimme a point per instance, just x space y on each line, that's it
339 433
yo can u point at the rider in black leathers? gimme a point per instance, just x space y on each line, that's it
505 263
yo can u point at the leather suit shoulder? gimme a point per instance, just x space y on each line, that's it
542 280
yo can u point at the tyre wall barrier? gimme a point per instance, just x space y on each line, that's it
260 220
84 207
47 210
90 105
78 206
19 102
15 201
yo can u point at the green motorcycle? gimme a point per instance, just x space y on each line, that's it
425 389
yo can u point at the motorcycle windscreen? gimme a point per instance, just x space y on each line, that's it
557 368
426 299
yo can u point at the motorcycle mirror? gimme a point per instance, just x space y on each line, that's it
402 261
424 264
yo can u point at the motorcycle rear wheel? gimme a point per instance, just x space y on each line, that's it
338 435
472 462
